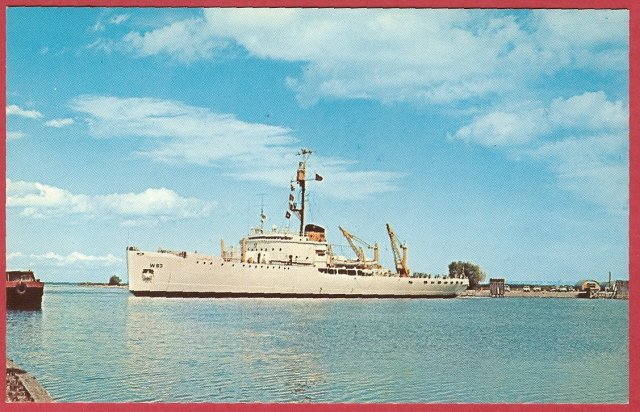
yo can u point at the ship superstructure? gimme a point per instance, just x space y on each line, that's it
280 263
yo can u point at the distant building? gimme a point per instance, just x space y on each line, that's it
496 286
587 288
622 289
588 285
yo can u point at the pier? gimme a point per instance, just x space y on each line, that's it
22 387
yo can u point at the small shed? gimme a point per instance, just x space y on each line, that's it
496 288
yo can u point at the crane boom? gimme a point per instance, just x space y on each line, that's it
400 260
358 250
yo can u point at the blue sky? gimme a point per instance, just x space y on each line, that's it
495 136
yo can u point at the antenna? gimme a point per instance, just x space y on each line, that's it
263 217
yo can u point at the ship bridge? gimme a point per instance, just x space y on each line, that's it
279 247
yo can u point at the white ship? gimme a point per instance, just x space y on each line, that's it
279 263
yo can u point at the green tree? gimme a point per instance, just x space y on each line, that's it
468 270
114 280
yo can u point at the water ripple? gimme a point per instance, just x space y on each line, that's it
95 344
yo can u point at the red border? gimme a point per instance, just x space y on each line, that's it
634 177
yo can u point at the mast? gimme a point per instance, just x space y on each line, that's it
301 180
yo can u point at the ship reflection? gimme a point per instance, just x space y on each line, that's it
224 350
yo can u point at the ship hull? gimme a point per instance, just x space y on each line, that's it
24 295
199 276
175 294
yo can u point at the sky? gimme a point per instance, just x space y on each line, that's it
498 137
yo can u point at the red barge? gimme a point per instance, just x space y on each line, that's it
24 291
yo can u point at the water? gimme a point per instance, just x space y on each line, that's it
102 345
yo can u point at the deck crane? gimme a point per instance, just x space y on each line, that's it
400 260
359 251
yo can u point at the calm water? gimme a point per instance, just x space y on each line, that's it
99 344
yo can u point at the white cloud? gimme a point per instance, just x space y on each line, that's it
14 110
582 139
72 259
427 55
119 19
186 40
583 28
58 123
38 200
594 168
15 135
503 128
196 135
590 112
99 26
105 45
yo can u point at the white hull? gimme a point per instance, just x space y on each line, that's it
194 275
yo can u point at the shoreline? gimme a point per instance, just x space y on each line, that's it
102 285
485 293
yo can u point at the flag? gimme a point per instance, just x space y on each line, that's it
287 215
319 178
